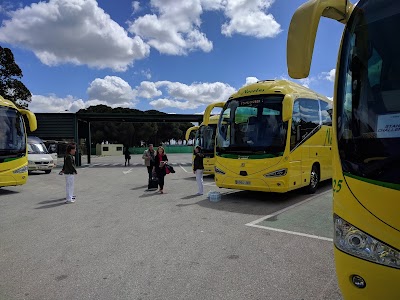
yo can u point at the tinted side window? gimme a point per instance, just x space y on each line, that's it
326 113
295 136
309 111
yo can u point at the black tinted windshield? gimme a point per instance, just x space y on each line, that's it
369 101
205 137
12 133
252 125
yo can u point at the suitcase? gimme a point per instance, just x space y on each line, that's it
153 183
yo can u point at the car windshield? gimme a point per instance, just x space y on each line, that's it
12 132
368 109
37 148
252 125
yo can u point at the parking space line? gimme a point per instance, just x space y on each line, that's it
254 223
292 232
183 169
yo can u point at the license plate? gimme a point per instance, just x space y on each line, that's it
243 182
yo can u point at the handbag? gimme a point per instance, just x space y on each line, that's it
169 169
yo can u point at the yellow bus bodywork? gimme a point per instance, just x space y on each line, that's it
15 171
355 204
316 150
208 162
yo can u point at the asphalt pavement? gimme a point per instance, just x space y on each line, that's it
119 241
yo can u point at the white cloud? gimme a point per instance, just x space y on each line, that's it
330 98
250 18
330 76
198 93
73 31
135 6
54 104
113 90
69 104
146 73
148 90
251 80
174 27
162 103
183 96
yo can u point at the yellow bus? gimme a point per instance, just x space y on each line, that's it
13 143
273 136
205 137
366 143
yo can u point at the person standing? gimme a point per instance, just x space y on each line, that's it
160 161
69 170
198 168
127 156
148 157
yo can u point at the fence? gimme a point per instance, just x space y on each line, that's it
168 149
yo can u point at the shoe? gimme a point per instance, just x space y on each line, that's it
161 192
70 201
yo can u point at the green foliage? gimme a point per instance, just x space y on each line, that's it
131 134
11 88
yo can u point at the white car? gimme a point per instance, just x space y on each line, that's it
39 158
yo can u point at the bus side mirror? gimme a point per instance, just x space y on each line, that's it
31 118
286 110
303 29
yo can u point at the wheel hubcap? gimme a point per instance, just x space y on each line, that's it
314 179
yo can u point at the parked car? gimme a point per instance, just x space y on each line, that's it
39 158
52 149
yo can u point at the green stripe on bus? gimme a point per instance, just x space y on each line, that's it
388 185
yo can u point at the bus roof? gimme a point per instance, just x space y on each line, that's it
278 87
213 120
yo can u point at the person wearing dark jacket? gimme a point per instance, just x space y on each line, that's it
159 168
127 156
198 168
69 170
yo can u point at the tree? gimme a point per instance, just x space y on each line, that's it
11 88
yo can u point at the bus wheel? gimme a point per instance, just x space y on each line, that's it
314 180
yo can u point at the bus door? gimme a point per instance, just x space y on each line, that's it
296 155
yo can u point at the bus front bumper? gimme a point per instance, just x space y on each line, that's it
276 185
13 180
381 282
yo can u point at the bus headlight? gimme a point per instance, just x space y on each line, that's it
21 170
278 173
219 171
353 241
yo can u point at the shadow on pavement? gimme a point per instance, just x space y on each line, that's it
51 201
260 203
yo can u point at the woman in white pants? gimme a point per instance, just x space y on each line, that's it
69 170
198 168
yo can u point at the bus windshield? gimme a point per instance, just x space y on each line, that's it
368 108
205 137
252 125
12 133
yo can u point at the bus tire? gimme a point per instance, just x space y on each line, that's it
314 179
47 171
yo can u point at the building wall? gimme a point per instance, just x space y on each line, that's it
109 149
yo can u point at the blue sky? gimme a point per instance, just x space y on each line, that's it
169 55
